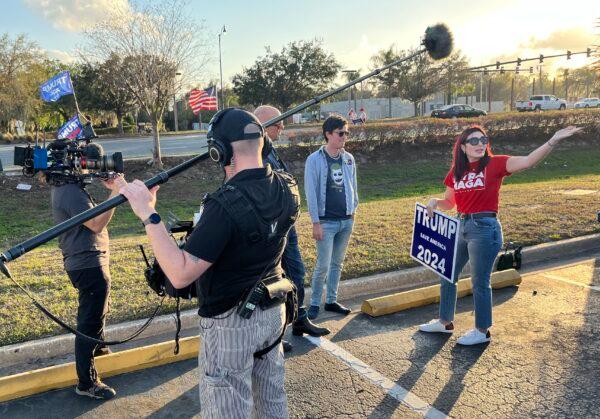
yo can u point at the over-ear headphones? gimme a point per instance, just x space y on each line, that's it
220 136
219 151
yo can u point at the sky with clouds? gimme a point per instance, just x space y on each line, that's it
353 30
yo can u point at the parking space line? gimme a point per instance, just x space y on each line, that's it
408 399
560 278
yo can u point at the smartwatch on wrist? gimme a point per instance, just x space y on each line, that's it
153 219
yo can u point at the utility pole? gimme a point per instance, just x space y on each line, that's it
567 85
512 93
533 87
223 32
541 83
481 87
489 94
175 113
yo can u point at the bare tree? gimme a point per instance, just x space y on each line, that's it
159 41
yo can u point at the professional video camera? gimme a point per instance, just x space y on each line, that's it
69 160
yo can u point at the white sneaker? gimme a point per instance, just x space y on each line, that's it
435 326
474 337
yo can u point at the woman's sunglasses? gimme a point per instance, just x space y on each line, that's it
477 140
343 134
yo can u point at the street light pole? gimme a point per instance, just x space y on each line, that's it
223 31
175 116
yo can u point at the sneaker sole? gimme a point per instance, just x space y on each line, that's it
473 344
85 393
447 332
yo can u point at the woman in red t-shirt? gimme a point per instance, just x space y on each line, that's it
473 186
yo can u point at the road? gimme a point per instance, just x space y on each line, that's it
543 361
171 145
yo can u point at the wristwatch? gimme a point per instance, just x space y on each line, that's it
153 219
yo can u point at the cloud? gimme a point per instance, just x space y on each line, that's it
573 39
62 56
75 15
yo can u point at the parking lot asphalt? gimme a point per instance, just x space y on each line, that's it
543 361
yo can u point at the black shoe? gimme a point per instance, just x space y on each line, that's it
337 308
98 391
313 312
287 347
304 325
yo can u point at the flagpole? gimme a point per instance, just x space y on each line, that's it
77 106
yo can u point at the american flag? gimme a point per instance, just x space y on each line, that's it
203 100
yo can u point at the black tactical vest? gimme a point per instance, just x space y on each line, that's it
255 251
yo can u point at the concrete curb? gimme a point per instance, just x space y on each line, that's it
418 297
60 376
397 280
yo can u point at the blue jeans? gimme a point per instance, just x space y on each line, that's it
293 266
479 242
331 252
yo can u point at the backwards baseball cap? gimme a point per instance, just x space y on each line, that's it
234 124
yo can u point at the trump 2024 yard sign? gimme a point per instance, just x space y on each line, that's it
434 241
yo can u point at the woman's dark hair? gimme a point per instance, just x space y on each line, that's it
332 123
460 163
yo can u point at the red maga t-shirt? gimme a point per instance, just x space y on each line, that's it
479 191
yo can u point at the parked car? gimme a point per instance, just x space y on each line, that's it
541 103
590 102
457 111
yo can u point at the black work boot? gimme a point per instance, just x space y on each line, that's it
304 325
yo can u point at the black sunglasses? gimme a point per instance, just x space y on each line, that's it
476 140
343 134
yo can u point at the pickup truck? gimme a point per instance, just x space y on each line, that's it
541 103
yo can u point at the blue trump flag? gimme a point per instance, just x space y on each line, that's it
56 87
72 130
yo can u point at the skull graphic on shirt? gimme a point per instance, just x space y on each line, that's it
336 174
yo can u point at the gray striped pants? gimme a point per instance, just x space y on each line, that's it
233 383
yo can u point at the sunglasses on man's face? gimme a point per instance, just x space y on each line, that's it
476 140
343 134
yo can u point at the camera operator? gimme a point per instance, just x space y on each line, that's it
85 251
234 250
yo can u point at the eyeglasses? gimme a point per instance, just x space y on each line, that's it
343 134
476 140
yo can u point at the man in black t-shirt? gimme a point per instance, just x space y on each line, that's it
227 255
86 256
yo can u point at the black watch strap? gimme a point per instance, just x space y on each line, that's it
153 219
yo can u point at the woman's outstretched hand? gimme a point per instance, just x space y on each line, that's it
564 133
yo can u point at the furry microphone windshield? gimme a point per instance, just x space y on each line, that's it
438 41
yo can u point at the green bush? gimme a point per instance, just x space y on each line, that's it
505 127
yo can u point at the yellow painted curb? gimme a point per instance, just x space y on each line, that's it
60 376
423 296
